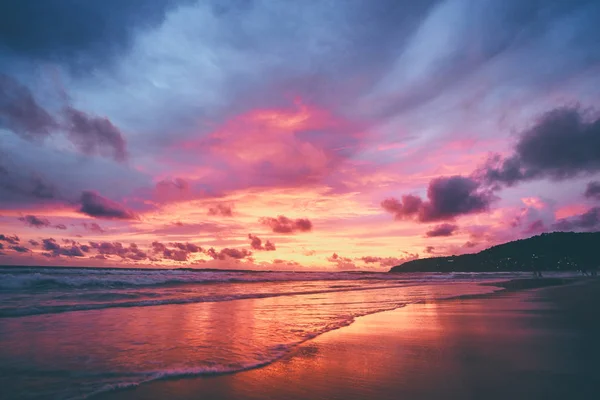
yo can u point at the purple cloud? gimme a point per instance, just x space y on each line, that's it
97 206
448 197
588 221
20 113
256 243
95 135
564 143
283 224
35 222
224 210
593 191
442 230
14 239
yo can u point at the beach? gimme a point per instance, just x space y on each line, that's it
534 343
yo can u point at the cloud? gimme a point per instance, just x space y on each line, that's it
95 135
14 239
237 254
534 227
256 243
131 252
34 243
389 261
50 244
442 230
62 227
593 191
224 210
588 221
35 222
283 224
564 143
447 198
93 227
19 183
55 250
175 255
20 113
20 249
189 247
429 249
90 33
94 205
343 263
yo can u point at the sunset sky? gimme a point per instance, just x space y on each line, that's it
307 135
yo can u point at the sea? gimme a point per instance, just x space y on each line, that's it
72 333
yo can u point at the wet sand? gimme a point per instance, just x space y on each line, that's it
524 344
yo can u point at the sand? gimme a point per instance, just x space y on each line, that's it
522 344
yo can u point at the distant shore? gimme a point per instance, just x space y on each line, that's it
514 343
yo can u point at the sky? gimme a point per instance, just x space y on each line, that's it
277 135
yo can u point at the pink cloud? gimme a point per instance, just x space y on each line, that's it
283 224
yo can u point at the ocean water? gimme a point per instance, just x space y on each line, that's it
70 333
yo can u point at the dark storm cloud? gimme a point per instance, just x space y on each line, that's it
97 206
447 198
95 135
564 143
588 221
283 224
593 190
78 33
19 111
442 230
35 222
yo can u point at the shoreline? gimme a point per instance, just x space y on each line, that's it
516 292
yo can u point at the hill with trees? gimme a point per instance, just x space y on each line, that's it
558 251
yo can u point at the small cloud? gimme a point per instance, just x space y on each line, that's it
20 249
35 222
93 227
283 224
14 239
256 243
224 210
442 230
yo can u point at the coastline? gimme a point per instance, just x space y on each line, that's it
538 343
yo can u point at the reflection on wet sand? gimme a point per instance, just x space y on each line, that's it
509 346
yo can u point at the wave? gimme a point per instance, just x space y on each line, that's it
43 278
12 312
